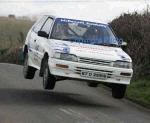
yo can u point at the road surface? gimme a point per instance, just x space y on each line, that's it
25 101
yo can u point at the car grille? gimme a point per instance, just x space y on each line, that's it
95 61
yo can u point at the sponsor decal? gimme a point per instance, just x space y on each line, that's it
64 48
64 20
94 48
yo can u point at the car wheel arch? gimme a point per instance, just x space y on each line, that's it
25 50
45 57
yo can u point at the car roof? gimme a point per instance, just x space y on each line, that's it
77 18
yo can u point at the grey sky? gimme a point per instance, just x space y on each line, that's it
104 10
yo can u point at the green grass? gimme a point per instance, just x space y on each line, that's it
139 91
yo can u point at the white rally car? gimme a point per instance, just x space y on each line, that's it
62 48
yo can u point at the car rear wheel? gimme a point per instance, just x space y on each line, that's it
28 71
49 80
118 90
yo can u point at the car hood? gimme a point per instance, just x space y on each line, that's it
90 51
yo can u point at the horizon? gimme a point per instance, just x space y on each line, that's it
104 10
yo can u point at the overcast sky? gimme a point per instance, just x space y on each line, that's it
103 10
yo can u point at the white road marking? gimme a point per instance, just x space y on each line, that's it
81 115
76 114
65 111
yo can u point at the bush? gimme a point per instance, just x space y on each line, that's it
135 30
13 55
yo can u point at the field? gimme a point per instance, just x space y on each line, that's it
12 35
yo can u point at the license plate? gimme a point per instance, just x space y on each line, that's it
94 75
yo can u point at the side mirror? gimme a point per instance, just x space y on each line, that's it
43 34
121 42
124 43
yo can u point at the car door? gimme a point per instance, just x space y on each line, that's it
33 40
42 41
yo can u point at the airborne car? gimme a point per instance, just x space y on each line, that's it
63 48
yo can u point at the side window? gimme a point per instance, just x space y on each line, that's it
47 25
39 25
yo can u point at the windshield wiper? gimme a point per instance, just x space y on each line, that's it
71 40
105 44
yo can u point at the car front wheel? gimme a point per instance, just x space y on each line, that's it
48 79
118 90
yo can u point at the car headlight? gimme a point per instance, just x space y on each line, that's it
65 56
122 64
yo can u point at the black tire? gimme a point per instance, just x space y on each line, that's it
91 84
49 80
118 90
28 71
42 67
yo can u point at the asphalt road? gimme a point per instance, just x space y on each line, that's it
25 101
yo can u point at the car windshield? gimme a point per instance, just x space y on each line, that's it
83 32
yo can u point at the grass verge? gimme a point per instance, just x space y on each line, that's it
139 92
